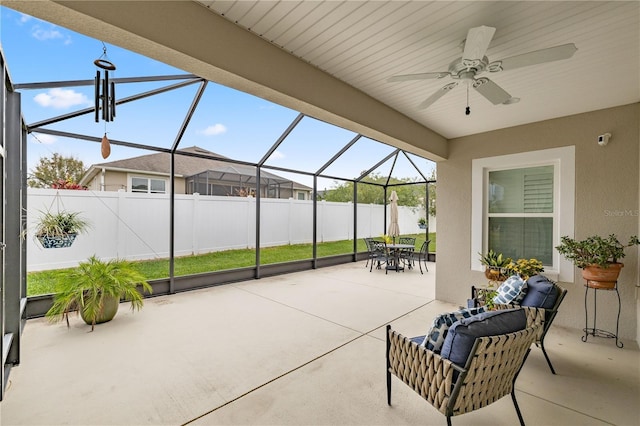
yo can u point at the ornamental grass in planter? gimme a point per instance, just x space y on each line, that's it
597 257
58 230
95 289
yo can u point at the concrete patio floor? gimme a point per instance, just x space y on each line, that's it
299 349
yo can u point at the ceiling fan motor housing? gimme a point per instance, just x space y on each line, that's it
466 69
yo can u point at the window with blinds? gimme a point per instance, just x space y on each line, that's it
520 212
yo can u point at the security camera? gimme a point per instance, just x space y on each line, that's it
603 140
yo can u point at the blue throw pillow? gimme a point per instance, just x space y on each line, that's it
440 326
513 290
541 292
462 335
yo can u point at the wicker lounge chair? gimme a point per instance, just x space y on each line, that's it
550 313
489 374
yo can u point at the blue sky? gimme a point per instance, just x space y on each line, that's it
228 122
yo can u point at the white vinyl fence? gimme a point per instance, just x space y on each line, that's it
136 226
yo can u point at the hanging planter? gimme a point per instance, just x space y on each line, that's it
61 241
59 230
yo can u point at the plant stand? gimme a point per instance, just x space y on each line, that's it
594 331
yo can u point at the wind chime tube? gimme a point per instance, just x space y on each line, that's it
105 96
112 102
97 96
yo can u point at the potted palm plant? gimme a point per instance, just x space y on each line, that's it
597 257
95 289
59 229
422 223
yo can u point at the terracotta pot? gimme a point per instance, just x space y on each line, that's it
494 274
604 278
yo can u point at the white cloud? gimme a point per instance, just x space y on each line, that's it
277 155
45 34
24 18
216 129
61 98
43 138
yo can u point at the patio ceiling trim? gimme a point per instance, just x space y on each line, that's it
188 36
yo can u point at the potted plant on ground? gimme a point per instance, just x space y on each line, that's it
57 230
597 257
95 289
422 223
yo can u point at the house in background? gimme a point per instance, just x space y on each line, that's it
193 174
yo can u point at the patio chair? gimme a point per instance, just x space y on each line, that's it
422 256
489 373
378 254
551 310
542 293
407 254
369 243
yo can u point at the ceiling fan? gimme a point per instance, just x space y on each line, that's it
474 62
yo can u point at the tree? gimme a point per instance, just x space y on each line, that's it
412 194
52 170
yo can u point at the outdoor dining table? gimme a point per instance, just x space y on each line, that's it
397 249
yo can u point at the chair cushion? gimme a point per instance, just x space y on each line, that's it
462 335
440 326
541 292
513 290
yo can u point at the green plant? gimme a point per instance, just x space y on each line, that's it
422 221
61 223
594 250
526 267
494 260
86 289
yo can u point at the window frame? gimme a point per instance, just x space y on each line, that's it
563 160
148 179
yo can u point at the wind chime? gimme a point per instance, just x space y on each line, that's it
105 98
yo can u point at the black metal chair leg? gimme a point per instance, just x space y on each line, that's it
388 388
515 404
546 357
388 367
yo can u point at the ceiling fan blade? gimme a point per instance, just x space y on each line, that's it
557 53
437 95
477 43
420 76
490 90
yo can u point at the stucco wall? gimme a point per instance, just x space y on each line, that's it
606 201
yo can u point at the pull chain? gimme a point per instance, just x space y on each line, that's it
468 110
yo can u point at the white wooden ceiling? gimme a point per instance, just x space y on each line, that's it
365 42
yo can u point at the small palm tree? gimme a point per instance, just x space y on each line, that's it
95 285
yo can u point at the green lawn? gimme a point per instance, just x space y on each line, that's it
45 282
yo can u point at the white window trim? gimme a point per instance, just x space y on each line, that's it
130 178
564 176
